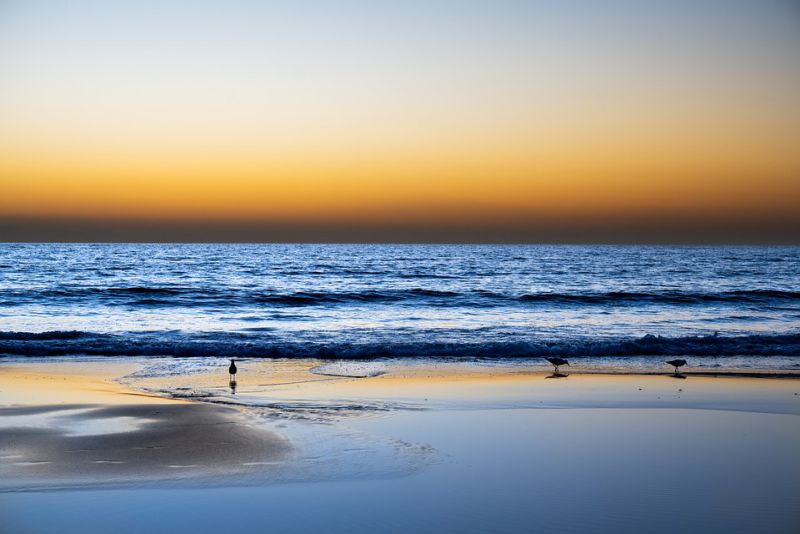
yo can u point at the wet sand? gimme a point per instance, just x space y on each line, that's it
105 434
364 447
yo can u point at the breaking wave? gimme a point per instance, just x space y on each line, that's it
234 345
204 296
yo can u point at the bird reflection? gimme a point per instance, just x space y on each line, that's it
557 375
678 375
232 384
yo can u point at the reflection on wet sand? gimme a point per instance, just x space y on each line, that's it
136 442
490 448
557 375
122 430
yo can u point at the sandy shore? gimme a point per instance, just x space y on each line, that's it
469 448
100 433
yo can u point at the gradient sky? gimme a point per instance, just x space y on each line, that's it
675 121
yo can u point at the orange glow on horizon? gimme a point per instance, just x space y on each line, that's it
495 117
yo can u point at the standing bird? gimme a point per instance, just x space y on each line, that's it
676 364
232 370
557 362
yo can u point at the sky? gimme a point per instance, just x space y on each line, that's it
438 120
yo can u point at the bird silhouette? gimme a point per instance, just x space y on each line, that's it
232 370
557 362
676 364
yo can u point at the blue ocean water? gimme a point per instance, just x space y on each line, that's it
366 301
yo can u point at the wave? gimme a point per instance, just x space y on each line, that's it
667 297
43 336
306 298
236 345
203 296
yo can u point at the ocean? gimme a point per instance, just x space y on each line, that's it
739 305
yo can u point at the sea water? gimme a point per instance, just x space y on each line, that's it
374 301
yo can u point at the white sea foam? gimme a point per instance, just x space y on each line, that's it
351 369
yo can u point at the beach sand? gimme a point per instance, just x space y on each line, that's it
301 446
63 427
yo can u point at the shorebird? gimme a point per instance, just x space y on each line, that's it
232 371
557 362
676 364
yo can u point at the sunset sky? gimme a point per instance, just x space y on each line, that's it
575 121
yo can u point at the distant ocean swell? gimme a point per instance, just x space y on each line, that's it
62 343
187 296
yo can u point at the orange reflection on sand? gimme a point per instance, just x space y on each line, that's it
68 383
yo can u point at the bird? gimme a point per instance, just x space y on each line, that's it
557 362
232 370
676 364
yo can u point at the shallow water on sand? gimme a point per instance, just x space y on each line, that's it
506 471
458 448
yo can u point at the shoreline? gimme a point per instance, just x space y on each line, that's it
466 446
154 399
611 365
